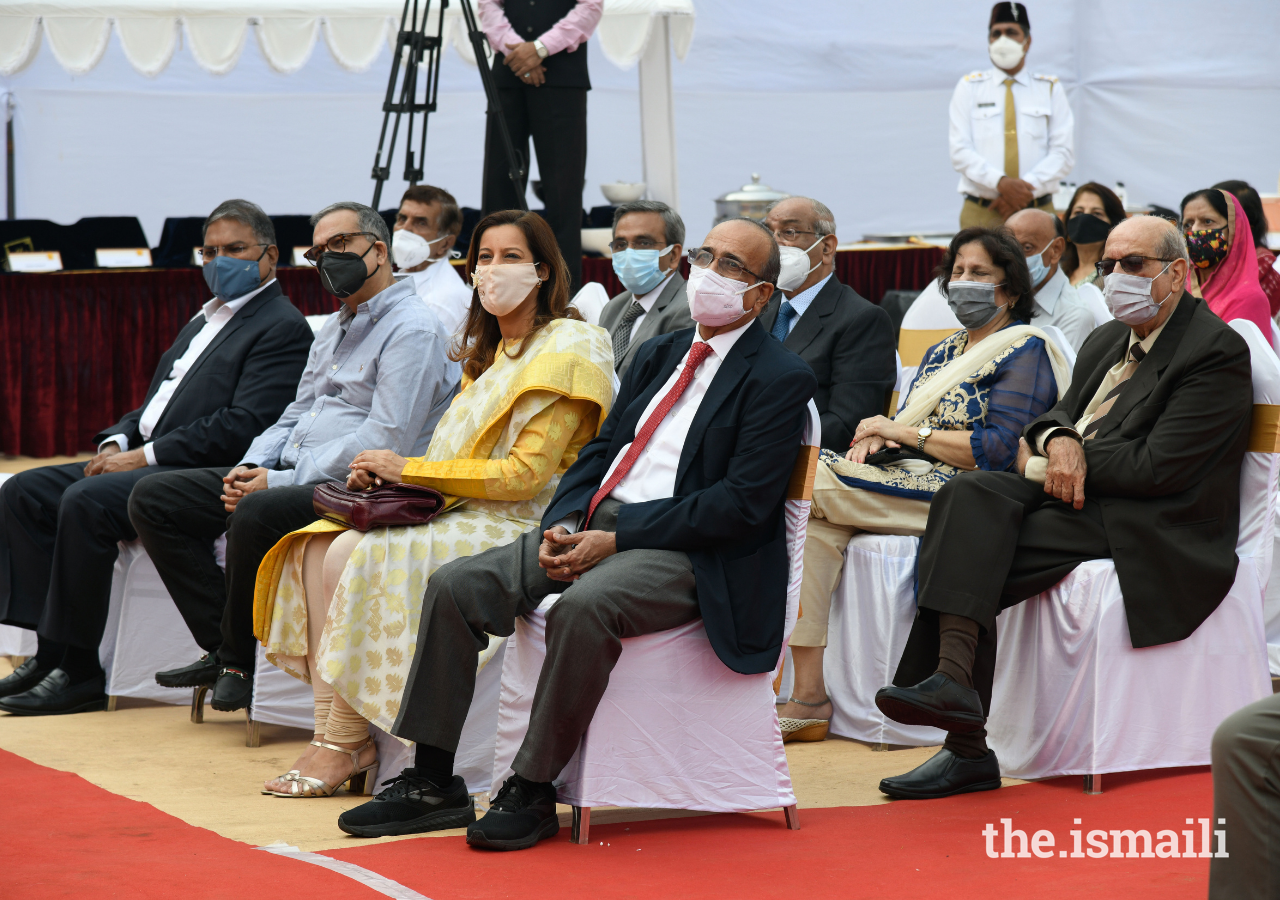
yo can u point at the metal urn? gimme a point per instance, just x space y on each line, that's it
752 200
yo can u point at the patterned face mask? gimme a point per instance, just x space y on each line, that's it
1207 247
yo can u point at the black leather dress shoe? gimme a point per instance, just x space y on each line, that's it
937 702
56 695
411 805
943 775
523 813
233 690
201 673
23 678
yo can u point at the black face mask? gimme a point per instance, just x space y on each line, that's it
342 274
1087 229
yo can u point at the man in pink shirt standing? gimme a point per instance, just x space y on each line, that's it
540 70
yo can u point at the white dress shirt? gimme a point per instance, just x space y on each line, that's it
1058 303
646 302
448 295
217 313
1046 148
800 302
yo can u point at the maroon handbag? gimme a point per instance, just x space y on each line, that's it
390 504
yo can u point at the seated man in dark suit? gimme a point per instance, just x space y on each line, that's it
673 512
648 243
229 373
850 343
1140 463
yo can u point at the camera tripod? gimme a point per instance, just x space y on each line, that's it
423 56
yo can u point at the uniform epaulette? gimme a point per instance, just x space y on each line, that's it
975 76
1050 78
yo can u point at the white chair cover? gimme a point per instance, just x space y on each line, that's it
929 311
1060 341
1073 697
675 728
590 301
1092 298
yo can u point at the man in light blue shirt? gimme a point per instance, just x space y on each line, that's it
378 377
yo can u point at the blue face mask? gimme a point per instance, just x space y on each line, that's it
638 269
229 277
1035 263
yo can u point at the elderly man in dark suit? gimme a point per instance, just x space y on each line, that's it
673 512
1139 462
228 375
648 243
847 341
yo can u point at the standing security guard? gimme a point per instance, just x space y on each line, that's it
540 71
1011 133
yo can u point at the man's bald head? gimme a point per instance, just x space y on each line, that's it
751 243
1036 231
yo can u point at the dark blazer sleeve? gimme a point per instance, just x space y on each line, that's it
128 426
863 371
765 448
1200 421
267 383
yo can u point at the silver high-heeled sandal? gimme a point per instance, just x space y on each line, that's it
291 775
301 786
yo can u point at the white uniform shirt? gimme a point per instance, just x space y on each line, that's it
217 314
1046 148
653 477
448 295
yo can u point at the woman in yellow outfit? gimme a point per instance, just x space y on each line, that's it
340 609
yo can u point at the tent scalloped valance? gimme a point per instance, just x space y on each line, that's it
286 31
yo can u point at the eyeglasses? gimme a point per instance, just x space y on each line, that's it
1132 265
209 252
791 234
620 245
725 265
337 244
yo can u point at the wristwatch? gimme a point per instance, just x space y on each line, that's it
541 49
921 436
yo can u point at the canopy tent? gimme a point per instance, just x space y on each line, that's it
630 32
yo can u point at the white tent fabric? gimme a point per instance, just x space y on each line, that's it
286 30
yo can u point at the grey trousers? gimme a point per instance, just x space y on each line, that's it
1246 793
629 594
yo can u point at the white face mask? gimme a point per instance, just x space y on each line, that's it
715 300
795 266
1129 297
409 249
503 288
1005 52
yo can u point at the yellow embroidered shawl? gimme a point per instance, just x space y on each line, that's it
567 358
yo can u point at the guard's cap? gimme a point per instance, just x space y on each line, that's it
1010 12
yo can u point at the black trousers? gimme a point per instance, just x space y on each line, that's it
178 516
628 594
556 119
58 546
993 539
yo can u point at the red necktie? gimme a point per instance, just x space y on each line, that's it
697 353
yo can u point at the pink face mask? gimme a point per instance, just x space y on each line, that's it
715 300
503 287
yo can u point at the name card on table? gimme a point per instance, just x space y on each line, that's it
299 259
126 258
34 261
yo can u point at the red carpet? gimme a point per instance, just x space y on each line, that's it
62 837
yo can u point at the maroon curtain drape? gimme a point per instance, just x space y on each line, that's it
77 350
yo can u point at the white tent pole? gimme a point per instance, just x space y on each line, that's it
657 117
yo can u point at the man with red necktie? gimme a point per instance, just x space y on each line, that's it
673 512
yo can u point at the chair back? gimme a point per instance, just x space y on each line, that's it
1092 298
1261 466
590 301
1060 341
799 497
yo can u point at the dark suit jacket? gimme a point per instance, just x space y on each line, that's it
1165 465
670 312
849 343
727 512
237 388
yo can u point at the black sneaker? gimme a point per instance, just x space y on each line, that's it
411 805
233 690
523 813
201 673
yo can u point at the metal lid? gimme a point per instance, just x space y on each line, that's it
755 192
